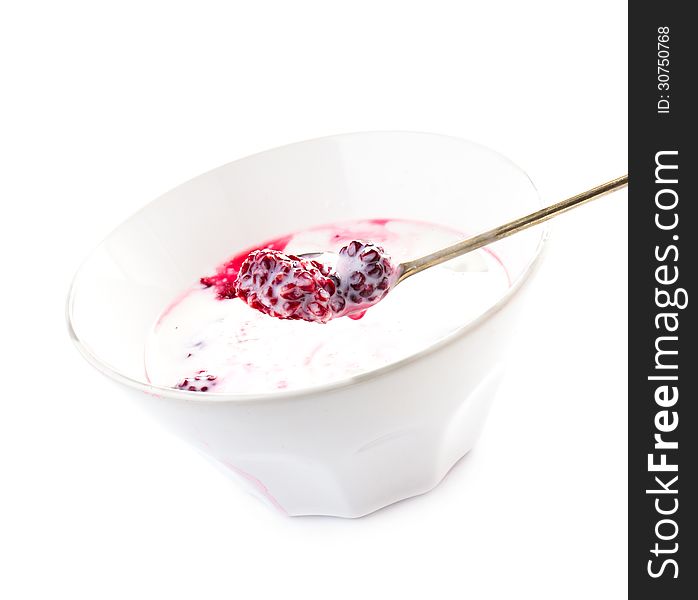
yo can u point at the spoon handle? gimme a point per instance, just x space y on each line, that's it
435 258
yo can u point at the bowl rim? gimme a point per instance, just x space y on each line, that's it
159 391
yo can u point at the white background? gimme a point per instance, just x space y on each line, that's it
107 105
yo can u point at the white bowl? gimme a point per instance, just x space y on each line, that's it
354 446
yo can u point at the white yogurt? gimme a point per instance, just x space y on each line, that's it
249 352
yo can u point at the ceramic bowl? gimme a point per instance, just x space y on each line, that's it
359 444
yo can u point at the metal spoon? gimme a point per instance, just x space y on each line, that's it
409 268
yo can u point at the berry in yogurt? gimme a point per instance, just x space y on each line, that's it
201 381
286 286
291 287
365 274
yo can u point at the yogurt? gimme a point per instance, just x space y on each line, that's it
211 342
